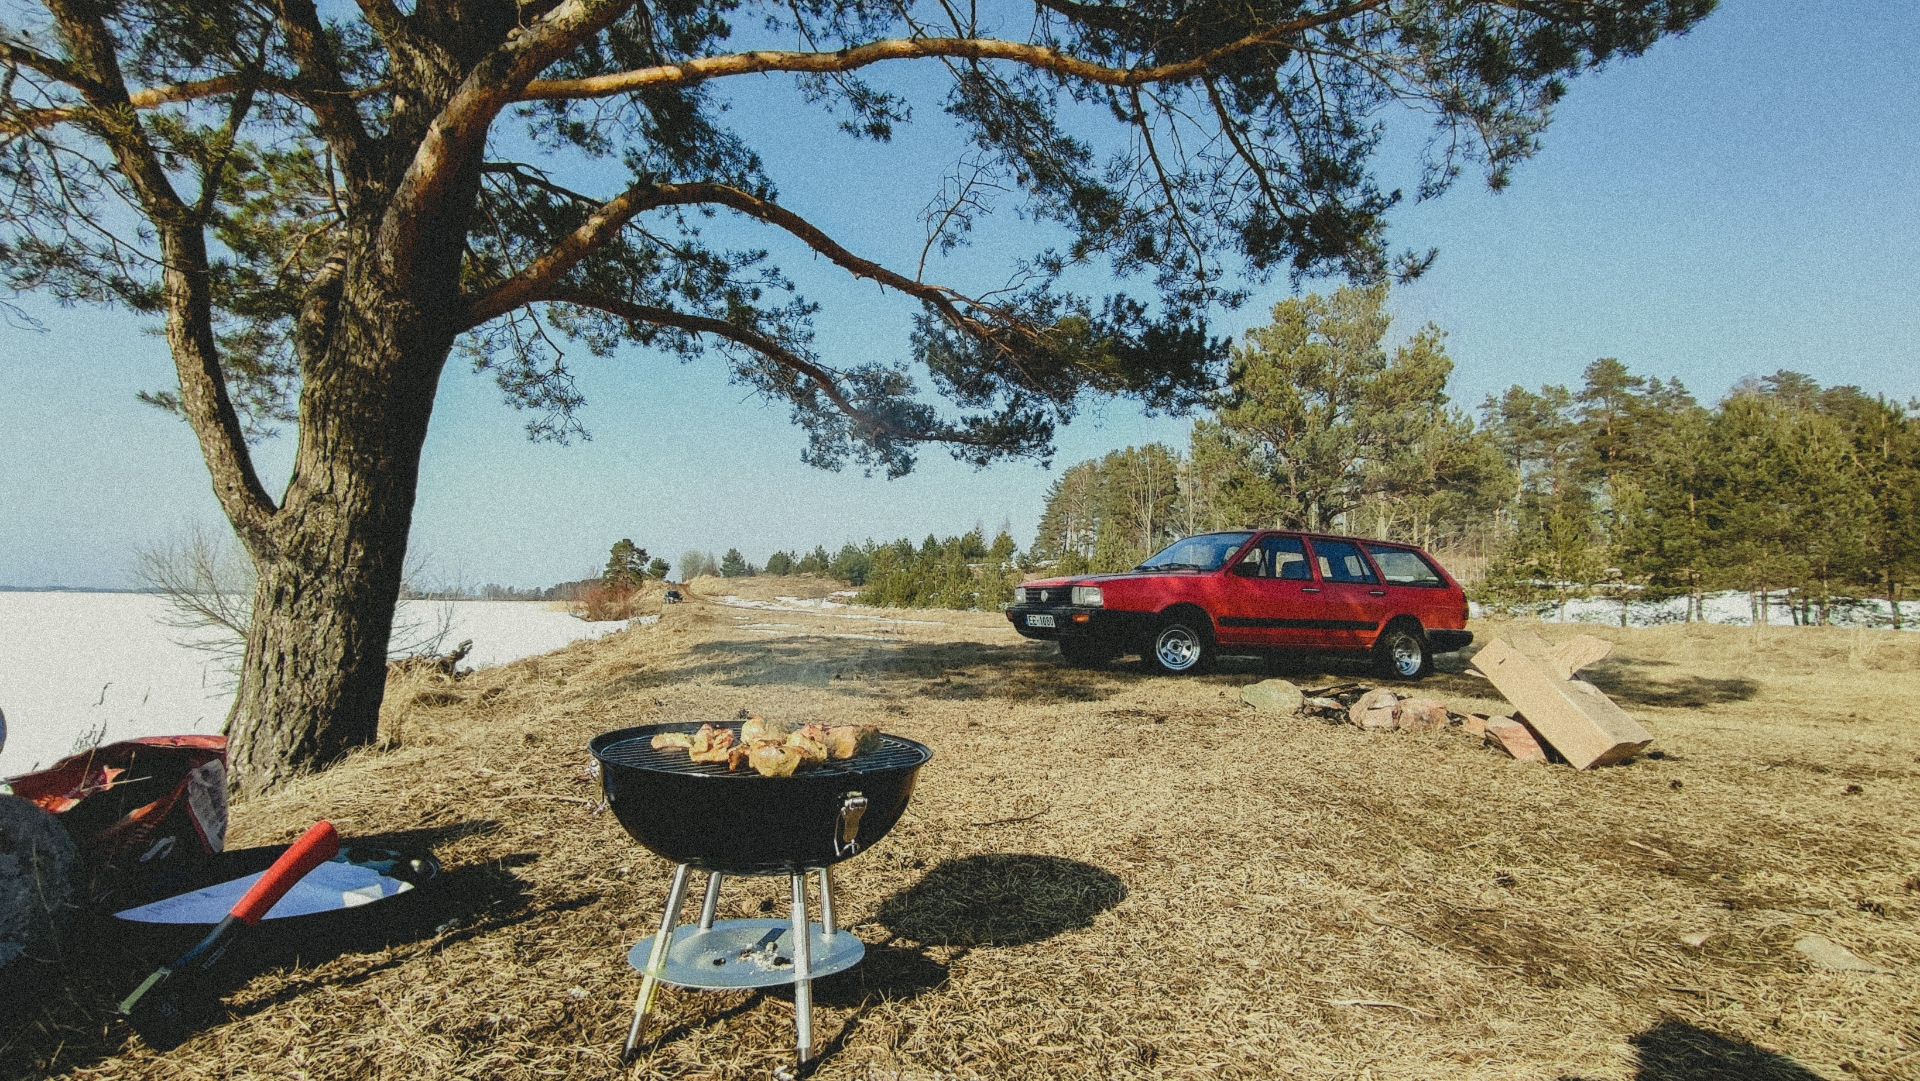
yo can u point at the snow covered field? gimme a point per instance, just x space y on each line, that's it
1729 608
74 664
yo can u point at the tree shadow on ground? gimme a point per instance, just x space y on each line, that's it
955 670
59 1015
1629 687
1674 1050
1024 671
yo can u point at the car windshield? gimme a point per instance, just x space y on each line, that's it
1203 553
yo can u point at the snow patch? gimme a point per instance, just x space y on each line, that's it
1729 608
77 664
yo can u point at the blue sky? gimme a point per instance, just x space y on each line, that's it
1740 200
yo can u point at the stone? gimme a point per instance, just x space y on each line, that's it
1422 715
1513 737
1824 952
1696 940
1273 696
1374 710
1576 717
1476 723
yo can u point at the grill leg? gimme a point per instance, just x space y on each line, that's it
827 925
802 972
711 905
657 958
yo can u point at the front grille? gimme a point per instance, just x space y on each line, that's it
637 753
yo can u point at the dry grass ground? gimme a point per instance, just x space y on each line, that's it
1109 875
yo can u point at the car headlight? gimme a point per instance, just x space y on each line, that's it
1088 596
1019 594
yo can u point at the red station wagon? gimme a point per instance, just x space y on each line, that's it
1255 592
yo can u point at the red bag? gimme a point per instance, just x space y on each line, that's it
137 804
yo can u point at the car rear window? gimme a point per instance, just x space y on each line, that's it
1404 568
1341 561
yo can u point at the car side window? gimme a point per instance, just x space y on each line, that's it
1403 568
1341 561
1286 558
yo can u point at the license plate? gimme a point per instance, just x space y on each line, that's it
1039 621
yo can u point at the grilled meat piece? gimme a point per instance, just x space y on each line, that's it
811 742
758 728
770 759
710 744
771 748
847 740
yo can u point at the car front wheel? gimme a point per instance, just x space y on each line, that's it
1180 647
1402 653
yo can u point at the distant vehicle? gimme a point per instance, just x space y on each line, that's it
673 596
1259 592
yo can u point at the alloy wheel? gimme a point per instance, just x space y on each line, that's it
1177 648
1407 657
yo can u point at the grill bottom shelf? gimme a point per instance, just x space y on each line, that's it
713 960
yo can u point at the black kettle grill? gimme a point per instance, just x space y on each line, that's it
703 817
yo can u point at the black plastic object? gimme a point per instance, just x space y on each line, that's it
311 937
740 823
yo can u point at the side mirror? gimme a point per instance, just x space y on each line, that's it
1247 569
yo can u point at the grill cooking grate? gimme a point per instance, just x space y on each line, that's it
893 753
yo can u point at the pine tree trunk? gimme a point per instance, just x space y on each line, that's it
330 569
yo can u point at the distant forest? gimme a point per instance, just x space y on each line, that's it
959 572
1625 487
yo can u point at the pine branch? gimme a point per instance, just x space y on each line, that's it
1043 57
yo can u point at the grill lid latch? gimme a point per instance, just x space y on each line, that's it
846 828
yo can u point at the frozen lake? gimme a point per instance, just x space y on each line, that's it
74 664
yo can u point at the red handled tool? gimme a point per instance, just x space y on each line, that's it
161 1009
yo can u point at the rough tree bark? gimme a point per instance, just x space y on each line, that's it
330 566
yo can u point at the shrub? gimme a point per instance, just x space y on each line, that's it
600 601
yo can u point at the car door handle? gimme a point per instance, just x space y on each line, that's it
1309 589
1376 592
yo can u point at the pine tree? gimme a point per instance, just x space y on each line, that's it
734 565
851 564
815 562
322 203
626 565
